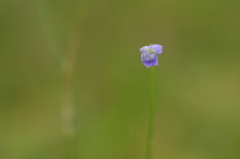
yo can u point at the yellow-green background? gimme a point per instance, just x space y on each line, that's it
198 79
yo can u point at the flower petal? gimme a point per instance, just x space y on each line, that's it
147 56
155 61
157 48
149 63
144 48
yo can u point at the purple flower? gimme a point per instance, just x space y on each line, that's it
149 54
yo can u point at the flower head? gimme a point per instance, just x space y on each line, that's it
149 54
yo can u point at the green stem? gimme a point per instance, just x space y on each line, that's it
151 114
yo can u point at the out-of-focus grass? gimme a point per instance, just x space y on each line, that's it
198 80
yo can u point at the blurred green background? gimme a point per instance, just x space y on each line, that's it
198 78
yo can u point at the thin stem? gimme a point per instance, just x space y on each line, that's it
151 114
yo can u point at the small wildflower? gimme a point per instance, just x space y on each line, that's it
149 54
